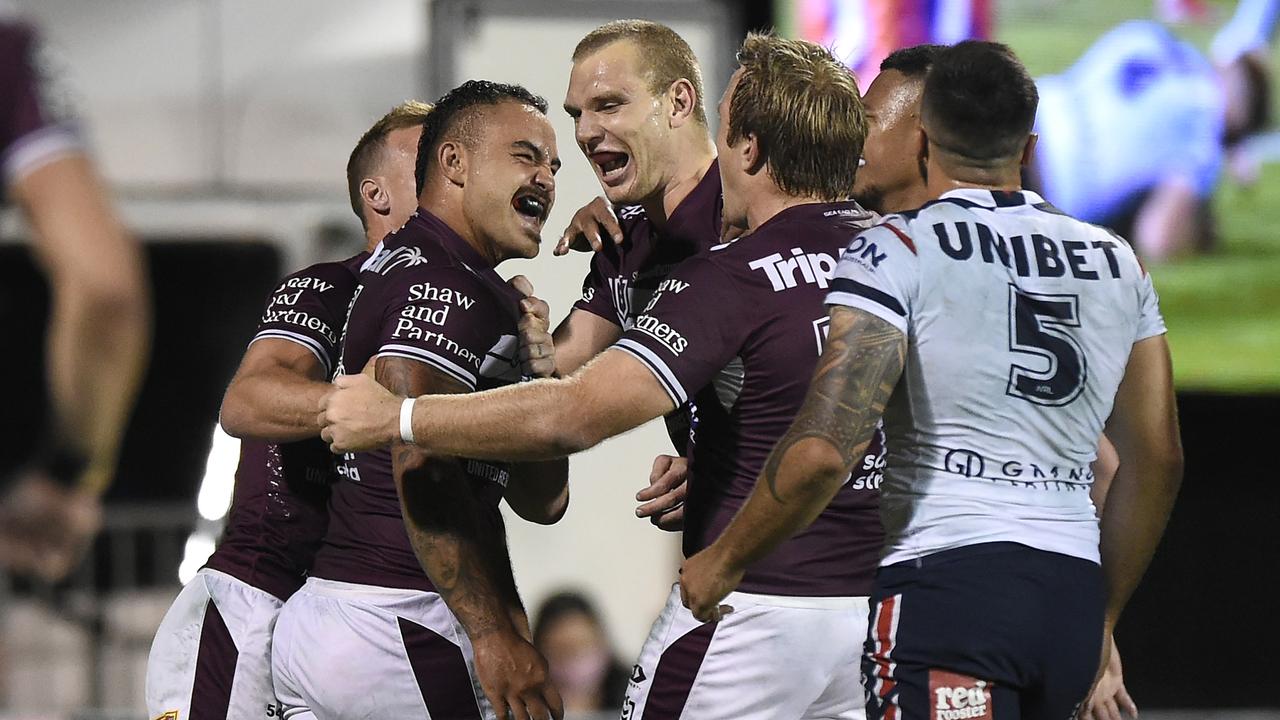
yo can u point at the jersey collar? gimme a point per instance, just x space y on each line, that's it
451 241
994 198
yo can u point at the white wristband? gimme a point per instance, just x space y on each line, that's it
406 420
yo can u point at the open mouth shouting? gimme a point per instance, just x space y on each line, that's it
612 166
532 204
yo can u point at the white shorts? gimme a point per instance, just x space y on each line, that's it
360 651
211 657
773 657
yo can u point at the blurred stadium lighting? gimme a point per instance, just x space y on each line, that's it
219 476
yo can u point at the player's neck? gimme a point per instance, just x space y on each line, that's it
693 160
763 205
451 214
907 198
945 174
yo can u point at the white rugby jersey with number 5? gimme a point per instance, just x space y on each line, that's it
1019 323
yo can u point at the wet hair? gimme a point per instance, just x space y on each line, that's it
455 113
664 56
804 108
367 154
979 103
914 61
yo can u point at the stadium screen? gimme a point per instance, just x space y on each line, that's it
1136 100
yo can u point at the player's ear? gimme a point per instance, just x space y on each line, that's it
1029 152
684 102
452 158
752 154
374 197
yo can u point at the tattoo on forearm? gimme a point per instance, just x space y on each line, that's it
459 539
856 374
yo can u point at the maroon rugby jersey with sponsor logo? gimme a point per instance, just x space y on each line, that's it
425 295
35 124
738 331
278 510
624 277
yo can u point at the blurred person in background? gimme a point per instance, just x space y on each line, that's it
567 630
212 651
100 315
1135 134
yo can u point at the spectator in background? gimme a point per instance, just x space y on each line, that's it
99 325
568 632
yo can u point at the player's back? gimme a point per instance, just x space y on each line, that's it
1020 321
425 295
737 331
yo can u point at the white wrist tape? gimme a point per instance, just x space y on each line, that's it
406 420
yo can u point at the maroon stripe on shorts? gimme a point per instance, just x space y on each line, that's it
441 672
215 668
676 671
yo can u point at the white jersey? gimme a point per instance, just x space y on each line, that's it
1019 321
1140 107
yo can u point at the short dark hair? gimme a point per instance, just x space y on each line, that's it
453 114
914 61
664 55
803 106
367 153
979 102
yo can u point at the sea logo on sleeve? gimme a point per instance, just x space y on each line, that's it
958 697
388 260
171 715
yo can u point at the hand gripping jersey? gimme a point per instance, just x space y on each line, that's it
278 510
1139 107
1019 321
738 332
35 126
428 296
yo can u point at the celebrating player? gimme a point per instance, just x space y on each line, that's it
989 600
733 330
212 651
369 634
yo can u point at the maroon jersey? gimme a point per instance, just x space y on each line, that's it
428 296
624 277
738 331
278 510
34 124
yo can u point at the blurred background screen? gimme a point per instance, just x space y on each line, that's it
1132 70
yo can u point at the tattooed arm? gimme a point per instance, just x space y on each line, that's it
856 374
461 542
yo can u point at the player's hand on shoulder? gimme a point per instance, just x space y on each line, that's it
515 678
1109 699
663 500
359 414
537 349
705 580
589 227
